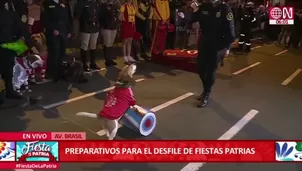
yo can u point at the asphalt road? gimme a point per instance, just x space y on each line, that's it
237 91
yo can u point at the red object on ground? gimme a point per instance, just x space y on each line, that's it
180 59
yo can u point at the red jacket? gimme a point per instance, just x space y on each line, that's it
117 102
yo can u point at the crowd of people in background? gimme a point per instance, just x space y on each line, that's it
289 35
64 20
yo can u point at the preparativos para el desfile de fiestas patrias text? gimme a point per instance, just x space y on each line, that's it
161 151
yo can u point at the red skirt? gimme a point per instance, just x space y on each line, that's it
127 30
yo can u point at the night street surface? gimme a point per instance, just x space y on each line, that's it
237 91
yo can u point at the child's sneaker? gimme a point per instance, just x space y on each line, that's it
131 59
126 60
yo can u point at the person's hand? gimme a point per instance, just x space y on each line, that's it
35 50
181 14
194 6
56 32
68 35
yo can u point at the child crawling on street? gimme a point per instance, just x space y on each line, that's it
117 102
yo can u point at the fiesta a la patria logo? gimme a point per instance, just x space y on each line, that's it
288 151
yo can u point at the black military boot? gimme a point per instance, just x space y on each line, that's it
84 60
240 47
105 49
247 49
143 52
110 56
93 64
200 97
107 55
204 99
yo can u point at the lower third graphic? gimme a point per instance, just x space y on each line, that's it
37 151
288 151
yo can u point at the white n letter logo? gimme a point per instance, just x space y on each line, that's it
287 12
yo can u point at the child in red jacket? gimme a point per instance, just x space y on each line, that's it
117 102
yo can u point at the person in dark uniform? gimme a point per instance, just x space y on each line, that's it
22 11
171 37
143 17
57 21
87 17
21 8
109 24
11 30
297 30
246 22
218 33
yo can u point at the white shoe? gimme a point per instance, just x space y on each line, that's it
130 59
126 59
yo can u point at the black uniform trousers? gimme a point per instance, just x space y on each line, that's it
245 36
207 63
296 38
56 52
142 26
7 62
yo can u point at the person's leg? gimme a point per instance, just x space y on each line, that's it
294 39
135 50
62 45
281 35
129 48
50 59
201 66
140 28
241 41
110 46
125 41
92 47
300 39
8 62
210 75
106 41
85 37
154 45
248 42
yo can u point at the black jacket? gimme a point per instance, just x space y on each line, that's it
216 25
11 27
88 14
57 16
109 16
